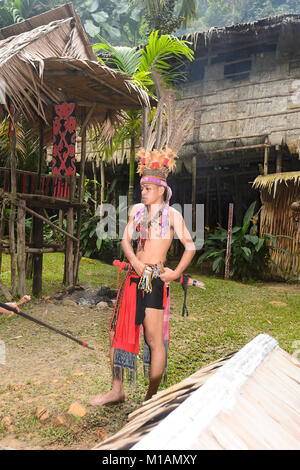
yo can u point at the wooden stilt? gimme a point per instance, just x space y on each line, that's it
38 257
279 161
266 157
41 155
13 181
82 160
69 248
21 249
2 227
77 254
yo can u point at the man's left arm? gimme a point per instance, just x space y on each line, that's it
189 249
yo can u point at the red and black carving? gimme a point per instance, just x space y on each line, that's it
64 140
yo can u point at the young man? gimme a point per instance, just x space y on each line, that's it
143 296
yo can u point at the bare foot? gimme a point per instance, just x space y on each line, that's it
111 397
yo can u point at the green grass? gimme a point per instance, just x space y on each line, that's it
221 320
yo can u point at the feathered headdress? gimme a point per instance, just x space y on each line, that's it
164 135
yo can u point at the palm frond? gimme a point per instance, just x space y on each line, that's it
127 59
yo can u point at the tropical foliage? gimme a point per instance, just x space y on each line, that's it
166 16
250 253
129 22
227 12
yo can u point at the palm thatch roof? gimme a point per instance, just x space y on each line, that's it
52 63
246 401
271 181
239 32
60 13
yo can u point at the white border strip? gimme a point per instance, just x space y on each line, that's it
181 427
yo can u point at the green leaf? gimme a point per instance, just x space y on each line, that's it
252 238
217 263
91 28
100 17
247 252
249 213
260 243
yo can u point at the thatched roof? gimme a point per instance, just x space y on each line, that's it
242 31
271 181
60 13
51 63
247 401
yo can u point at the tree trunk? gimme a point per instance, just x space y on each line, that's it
131 172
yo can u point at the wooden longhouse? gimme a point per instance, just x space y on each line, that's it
246 401
51 78
246 79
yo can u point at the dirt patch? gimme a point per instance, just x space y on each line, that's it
43 369
282 287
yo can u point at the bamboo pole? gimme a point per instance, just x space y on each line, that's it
82 160
240 85
44 219
146 111
279 161
38 224
244 118
13 165
77 254
41 154
44 250
2 227
266 157
21 249
249 136
69 249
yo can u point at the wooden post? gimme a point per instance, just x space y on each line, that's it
194 188
82 159
266 157
37 258
279 161
95 183
13 180
21 249
77 254
69 248
146 111
41 155
2 226
228 249
72 187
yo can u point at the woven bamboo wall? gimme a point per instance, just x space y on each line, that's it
277 218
